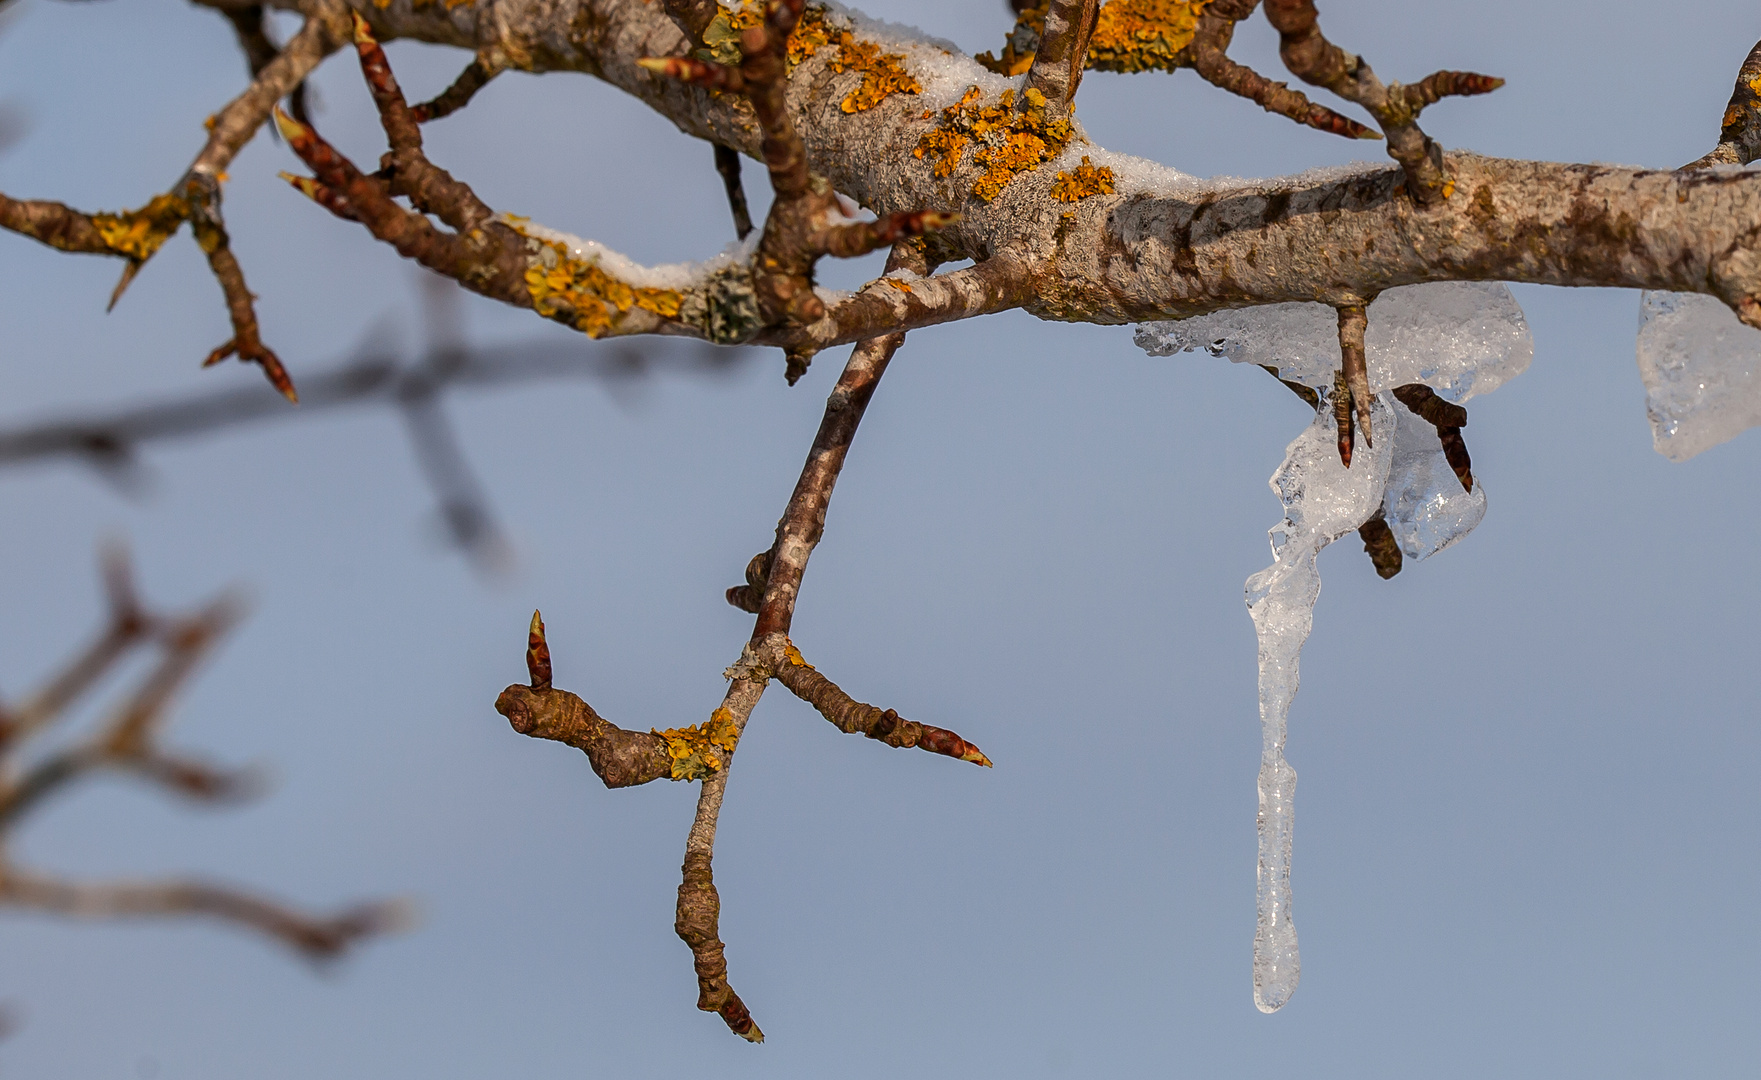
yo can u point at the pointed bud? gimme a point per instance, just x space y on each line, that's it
538 654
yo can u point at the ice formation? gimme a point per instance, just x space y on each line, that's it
1702 372
1461 339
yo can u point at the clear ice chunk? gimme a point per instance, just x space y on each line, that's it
1323 500
1425 505
1461 338
1702 372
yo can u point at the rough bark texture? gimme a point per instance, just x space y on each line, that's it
1171 249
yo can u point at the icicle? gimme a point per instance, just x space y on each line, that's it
1702 372
1460 338
1322 500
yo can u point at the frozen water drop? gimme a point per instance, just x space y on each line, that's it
1702 372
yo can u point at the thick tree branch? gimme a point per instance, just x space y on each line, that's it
1158 248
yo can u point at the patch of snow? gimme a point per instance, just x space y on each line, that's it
677 276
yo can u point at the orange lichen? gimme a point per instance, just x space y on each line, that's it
1129 35
694 750
137 234
883 74
1022 43
1007 140
579 292
1143 35
1083 181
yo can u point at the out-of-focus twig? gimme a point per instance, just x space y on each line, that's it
110 442
127 740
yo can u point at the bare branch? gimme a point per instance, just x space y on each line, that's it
854 717
1311 57
1063 52
317 938
727 163
477 74
1209 49
1354 370
128 741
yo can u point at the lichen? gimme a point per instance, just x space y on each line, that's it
721 37
1129 35
701 750
725 307
1006 140
138 234
1083 181
883 74
1143 35
1022 43
579 292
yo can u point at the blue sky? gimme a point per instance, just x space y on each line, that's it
1525 825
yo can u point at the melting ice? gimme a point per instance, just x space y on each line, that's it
1702 372
1459 338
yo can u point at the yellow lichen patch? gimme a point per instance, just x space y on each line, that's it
902 286
811 35
1006 141
1083 181
593 300
793 655
1143 35
137 234
883 74
701 749
1129 35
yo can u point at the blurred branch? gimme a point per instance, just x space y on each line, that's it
110 441
127 740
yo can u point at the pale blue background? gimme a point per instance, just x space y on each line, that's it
1527 821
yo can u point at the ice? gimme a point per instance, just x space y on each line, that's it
1461 338
1425 504
1323 500
1702 372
